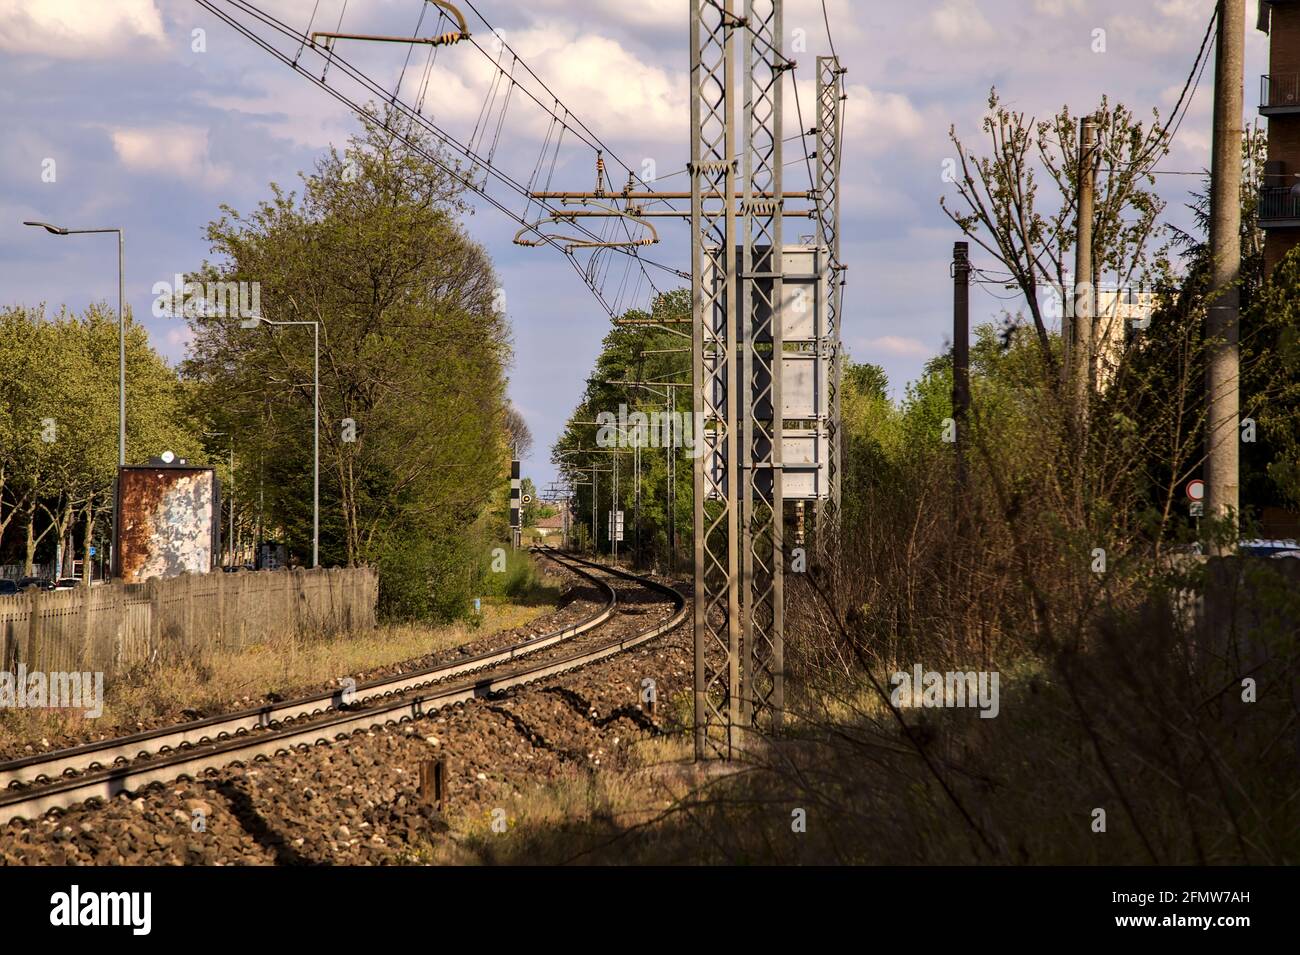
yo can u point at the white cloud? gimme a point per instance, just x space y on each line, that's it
606 81
878 121
1058 8
607 85
643 13
180 152
78 28
285 106
1192 10
178 339
1179 28
898 345
960 21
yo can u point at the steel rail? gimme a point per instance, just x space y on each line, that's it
45 766
109 782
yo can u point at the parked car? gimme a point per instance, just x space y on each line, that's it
1268 548
67 583
35 583
1251 548
8 588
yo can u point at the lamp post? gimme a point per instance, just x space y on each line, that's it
664 390
121 335
226 434
595 495
315 476
121 326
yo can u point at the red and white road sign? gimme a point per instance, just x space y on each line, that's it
1196 490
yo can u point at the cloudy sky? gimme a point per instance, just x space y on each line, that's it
149 114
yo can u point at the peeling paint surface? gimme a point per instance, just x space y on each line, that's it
167 517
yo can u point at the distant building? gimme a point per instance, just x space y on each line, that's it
1118 311
1121 313
552 526
1279 201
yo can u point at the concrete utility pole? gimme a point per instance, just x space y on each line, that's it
1085 294
961 355
1222 372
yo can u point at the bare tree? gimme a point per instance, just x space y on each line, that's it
1032 235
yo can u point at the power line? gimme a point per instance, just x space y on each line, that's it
829 38
1184 102
360 110
595 141
373 87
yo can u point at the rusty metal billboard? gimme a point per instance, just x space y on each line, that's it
168 521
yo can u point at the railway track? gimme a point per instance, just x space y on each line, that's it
101 770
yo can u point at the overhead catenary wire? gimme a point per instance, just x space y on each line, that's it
1184 102
307 33
357 75
592 140
343 65
330 52
830 37
410 48
579 128
430 61
569 121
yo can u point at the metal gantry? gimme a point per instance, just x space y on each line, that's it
765 373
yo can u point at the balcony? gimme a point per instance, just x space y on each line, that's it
1279 94
1279 208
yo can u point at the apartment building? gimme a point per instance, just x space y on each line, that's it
1279 205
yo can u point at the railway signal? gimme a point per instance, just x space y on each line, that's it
516 511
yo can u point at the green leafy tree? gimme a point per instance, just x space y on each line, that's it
415 426
635 351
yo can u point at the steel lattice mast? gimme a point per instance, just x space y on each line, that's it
738 343
713 296
829 98
761 328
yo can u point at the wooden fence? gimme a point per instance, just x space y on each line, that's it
114 626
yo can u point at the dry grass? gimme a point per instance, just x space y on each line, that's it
226 680
1019 789
588 815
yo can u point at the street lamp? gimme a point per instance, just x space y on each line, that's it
315 477
227 434
613 501
121 327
